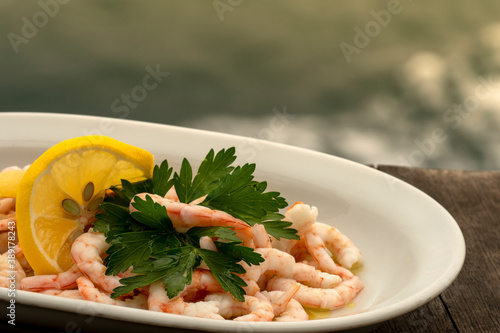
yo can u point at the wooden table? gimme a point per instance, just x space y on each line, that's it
472 302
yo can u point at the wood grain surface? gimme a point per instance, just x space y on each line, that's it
472 302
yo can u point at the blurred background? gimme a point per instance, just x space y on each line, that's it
386 82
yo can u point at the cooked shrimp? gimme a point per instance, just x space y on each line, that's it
86 252
159 301
172 194
62 281
315 278
7 221
208 244
11 270
294 311
299 250
275 262
320 240
21 258
126 274
283 264
280 299
302 217
323 241
202 281
91 293
7 205
185 216
73 293
284 306
252 309
317 297
260 236
4 241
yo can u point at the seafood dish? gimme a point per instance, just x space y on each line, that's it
97 220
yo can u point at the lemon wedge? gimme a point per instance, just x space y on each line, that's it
61 191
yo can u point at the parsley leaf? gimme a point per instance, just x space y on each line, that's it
151 214
177 266
210 172
224 268
115 220
242 198
133 282
121 258
159 184
161 181
183 182
147 240
244 253
232 190
226 233
281 229
245 199
158 251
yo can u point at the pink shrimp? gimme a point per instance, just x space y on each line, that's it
8 275
61 281
91 293
275 262
260 236
86 252
73 293
172 194
8 221
159 301
252 309
312 277
208 244
7 205
185 216
7 230
285 307
283 264
21 258
280 299
302 217
202 281
320 241
329 299
4 241
323 241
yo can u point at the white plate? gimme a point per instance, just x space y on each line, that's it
412 247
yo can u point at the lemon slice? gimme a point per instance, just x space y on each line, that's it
62 190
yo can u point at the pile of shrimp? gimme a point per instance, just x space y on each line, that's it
313 272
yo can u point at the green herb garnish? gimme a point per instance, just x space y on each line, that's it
147 241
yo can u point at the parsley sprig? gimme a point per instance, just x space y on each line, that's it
147 241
